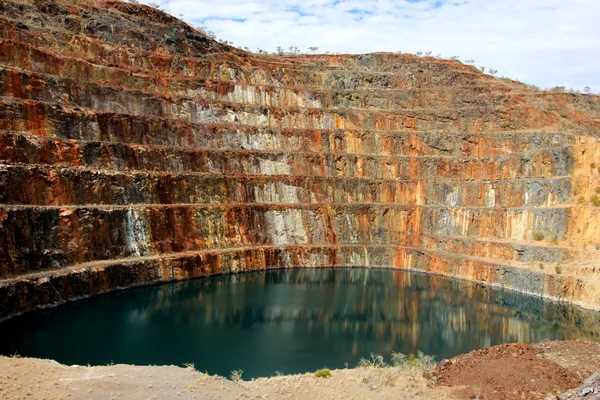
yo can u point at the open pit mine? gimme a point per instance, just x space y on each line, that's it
134 150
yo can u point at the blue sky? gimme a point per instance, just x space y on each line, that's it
542 42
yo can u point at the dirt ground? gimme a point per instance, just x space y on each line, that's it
512 371
28 378
520 371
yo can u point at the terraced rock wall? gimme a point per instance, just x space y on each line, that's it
135 150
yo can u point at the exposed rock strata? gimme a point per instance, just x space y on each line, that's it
134 150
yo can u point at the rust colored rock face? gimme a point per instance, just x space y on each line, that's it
134 150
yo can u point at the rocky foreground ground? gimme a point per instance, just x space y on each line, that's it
560 369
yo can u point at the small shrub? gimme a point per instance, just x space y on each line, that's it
189 366
424 360
558 269
323 373
477 390
598 247
236 375
381 373
376 361
554 239
580 200
398 359
538 236
541 266
419 361
595 201
598 190
593 165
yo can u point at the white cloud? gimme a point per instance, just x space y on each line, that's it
544 42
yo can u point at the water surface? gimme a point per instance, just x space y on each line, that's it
292 320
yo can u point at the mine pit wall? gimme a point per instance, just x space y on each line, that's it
153 154
39 291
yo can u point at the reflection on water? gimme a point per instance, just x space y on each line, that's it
292 320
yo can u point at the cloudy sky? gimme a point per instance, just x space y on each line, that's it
542 42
